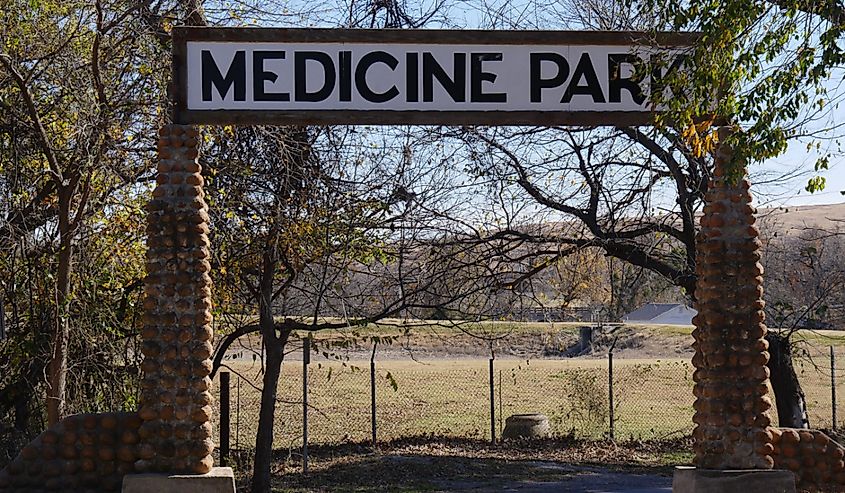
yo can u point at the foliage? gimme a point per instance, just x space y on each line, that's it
368 223
81 84
585 398
765 65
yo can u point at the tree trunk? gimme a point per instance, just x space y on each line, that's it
789 398
274 346
57 372
266 418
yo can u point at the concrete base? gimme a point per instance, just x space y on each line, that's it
219 480
691 480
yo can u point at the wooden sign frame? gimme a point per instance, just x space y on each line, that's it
184 115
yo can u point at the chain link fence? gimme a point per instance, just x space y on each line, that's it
651 399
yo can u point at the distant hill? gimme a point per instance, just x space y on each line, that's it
795 220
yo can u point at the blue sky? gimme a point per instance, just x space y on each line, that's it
778 182
791 191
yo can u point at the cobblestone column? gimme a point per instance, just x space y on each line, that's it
175 399
731 377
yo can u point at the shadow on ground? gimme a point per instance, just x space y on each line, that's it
421 473
446 465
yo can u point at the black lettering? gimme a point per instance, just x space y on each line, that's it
345 70
259 75
615 81
412 75
538 83
478 76
658 76
455 86
368 61
235 76
300 60
592 88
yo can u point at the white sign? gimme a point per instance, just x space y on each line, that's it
263 76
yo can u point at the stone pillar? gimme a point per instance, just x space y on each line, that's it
731 377
175 399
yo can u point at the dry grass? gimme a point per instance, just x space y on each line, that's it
450 397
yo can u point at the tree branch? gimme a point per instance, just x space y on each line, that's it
53 162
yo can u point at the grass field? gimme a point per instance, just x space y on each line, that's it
652 398
398 327
449 395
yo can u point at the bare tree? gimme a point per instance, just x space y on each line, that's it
805 289
317 232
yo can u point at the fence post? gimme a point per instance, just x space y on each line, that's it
833 387
610 390
492 403
306 359
501 413
225 418
373 393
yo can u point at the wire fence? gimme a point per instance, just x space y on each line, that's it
644 399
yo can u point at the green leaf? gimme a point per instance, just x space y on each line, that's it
815 184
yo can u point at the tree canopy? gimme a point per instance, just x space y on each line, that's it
770 66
